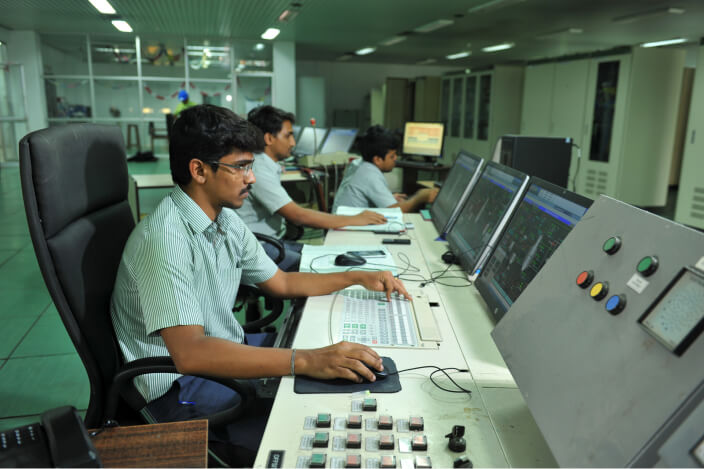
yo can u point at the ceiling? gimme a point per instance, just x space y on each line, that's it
333 29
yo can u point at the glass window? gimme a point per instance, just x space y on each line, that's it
113 57
253 56
116 98
162 58
8 141
64 54
211 93
68 97
209 59
161 97
484 101
470 98
252 92
604 107
456 107
445 104
11 92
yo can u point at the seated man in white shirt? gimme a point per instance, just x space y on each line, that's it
269 205
364 184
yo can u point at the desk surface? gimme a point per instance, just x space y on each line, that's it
500 430
177 444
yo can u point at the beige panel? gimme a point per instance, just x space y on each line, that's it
537 100
681 127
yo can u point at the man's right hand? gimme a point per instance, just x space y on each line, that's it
341 360
368 217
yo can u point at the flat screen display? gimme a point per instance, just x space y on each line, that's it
308 144
338 140
458 185
542 220
423 138
483 213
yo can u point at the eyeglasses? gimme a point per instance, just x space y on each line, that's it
244 168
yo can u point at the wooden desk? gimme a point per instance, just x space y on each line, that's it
427 183
177 444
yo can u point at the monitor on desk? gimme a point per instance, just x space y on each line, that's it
485 215
338 140
296 131
542 220
423 139
309 141
454 192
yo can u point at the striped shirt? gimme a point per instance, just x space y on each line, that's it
181 268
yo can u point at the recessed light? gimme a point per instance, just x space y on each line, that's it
393 40
365 51
498 47
437 24
458 55
287 16
122 26
103 6
270 33
259 46
667 42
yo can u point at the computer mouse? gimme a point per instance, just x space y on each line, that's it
349 260
380 375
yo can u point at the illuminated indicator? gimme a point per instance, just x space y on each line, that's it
599 290
612 245
647 266
585 278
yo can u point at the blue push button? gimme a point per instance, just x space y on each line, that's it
615 304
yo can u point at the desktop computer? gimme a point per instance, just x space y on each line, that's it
485 214
310 141
545 157
454 192
338 140
544 217
423 139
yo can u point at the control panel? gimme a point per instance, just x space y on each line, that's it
606 342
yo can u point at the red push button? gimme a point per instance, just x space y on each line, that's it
585 279
354 421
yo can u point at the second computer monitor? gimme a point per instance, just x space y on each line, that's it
338 140
485 214
455 190
309 142
542 220
423 139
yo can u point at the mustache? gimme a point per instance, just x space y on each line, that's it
248 188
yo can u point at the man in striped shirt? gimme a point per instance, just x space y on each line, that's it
180 272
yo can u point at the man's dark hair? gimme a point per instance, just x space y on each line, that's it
270 119
378 141
208 133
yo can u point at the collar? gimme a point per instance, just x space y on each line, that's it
192 213
271 165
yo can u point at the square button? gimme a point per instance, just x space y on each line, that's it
353 460
422 462
317 460
386 422
354 421
386 442
320 440
354 440
387 462
323 421
419 443
415 423
369 404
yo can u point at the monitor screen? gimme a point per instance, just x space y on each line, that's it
455 190
338 140
544 217
296 131
484 215
307 144
423 138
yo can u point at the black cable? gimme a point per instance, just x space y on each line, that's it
459 390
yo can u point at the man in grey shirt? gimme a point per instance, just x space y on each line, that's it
364 184
269 205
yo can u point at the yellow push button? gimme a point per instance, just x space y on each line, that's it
599 290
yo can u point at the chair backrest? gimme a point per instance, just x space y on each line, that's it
74 184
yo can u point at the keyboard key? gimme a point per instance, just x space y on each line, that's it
416 423
387 461
354 440
386 442
353 461
354 421
386 422
419 443
318 460
320 440
323 421
369 405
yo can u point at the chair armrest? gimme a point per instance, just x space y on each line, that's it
123 380
274 242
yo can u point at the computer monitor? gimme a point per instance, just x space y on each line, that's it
485 214
338 140
307 144
296 131
544 217
454 192
423 139
548 158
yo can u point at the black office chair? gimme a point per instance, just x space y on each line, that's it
74 184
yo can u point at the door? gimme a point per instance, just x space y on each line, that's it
536 118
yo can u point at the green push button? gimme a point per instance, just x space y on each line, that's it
320 440
323 421
647 266
612 245
317 460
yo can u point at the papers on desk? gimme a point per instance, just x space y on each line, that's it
394 219
321 259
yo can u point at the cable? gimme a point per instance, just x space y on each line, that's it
459 390
576 170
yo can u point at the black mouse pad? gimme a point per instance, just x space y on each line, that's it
308 385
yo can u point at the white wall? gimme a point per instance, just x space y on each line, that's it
284 80
347 84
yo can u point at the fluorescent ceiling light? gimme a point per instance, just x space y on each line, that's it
551 34
641 15
393 40
270 33
426 62
664 43
212 48
259 46
122 26
287 15
493 4
365 51
459 55
498 47
103 6
437 24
